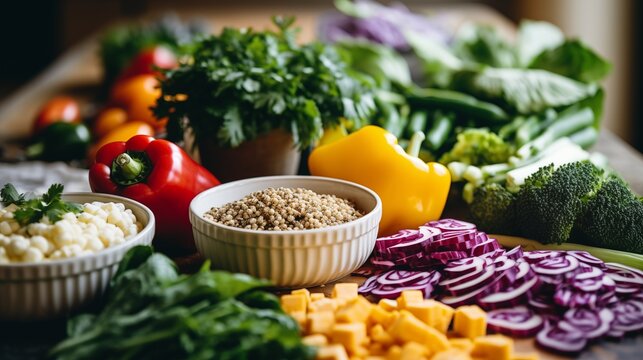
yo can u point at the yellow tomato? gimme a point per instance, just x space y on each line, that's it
122 133
107 120
137 95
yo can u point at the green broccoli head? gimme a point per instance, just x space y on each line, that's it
478 147
550 201
492 208
613 218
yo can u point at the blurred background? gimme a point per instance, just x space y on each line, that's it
53 27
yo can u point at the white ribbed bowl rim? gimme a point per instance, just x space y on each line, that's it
195 217
84 263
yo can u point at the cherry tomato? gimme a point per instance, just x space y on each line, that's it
107 120
149 61
137 95
122 133
58 109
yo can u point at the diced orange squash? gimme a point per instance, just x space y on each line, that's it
293 303
414 351
316 296
321 322
524 356
375 357
315 340
351 335
463 344
376 348
304 292
409 328
323 305
470 321
380 336
409 297
451 354
345 291
496 347
300 317
394 353
380 316
432 313
359 352
354 311
388 304
332 352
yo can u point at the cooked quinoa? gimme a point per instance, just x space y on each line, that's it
285 209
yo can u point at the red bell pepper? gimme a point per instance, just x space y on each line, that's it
158 174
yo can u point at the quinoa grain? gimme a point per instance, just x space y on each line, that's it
282 209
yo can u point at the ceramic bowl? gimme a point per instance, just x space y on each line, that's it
293 258
56 288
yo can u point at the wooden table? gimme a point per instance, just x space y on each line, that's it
78 73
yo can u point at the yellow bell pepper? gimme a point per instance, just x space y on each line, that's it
412 191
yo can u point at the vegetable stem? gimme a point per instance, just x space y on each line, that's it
416 142
128 167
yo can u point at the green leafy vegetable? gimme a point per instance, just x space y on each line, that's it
50 205
534 37
526 91
483 45
243 83
153 312
378 61
574 60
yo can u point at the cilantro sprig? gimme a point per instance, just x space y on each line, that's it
244 83
33 210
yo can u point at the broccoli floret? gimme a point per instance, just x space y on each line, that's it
550 201
492 208
613 218
478 147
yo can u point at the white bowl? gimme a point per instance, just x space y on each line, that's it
55 288
294 258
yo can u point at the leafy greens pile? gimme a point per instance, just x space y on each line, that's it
242 83
152 312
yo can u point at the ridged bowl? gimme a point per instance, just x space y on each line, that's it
293 258
55 288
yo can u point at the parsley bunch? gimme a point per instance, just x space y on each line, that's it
32 210
242 83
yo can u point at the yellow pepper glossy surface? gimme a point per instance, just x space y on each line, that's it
412 191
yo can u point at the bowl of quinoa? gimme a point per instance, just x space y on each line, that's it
49 269
293 230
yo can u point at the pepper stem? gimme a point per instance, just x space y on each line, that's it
128 167
415 143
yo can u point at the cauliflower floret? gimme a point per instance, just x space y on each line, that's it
33 255
41 243
19 244
5 228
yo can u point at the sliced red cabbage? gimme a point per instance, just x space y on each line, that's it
555 265
485 247
511 296
591 323
628 315
486 276
515 253
382 244
446 256
368 285
559 340
451 225
586 257
402 277
516 322
461 267
535 256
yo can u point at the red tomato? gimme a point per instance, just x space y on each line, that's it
147 62
58 109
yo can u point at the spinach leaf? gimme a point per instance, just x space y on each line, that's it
526 91
152 312
379 61
534 37
574 60
483 44
438 62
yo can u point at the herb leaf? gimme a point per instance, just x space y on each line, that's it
50 204
10 195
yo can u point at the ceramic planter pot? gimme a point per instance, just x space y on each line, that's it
273 153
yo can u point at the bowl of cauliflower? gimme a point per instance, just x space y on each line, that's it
59 259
